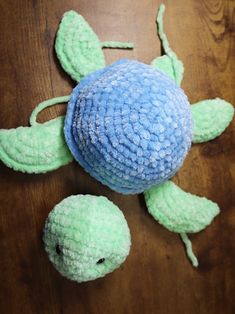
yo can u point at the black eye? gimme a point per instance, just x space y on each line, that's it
100 261
58 249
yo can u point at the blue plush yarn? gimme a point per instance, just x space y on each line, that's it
129 126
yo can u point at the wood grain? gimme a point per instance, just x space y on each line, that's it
157 277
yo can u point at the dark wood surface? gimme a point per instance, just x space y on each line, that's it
157 277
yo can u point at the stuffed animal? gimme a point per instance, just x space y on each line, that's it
130 126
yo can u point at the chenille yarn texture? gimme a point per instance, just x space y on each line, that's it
211 117
179 211
86 237
129 126
169 63
78 47
39 148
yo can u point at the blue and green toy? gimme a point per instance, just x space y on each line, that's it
130 126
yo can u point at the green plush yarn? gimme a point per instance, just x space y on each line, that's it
39 148
164 64
117 44
35 149
210 118
86 237
169 63
179 211
78 47
189 251
45 104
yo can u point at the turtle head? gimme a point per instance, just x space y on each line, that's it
86 237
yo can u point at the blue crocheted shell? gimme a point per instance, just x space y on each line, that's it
129 126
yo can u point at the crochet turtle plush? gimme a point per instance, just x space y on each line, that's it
130 126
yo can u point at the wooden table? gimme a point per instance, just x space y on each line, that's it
157 277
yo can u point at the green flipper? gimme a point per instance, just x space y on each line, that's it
179 211
78 48
169 63
38 148
210 118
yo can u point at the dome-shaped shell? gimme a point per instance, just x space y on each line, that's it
129 126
